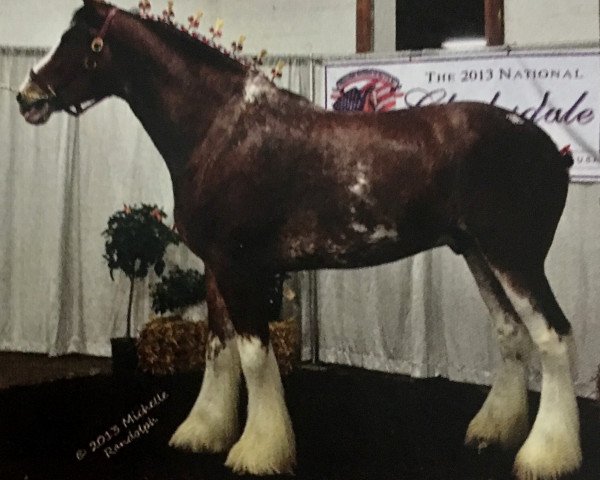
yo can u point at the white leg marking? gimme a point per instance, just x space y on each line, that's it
267 445
552 449
503 418
212 425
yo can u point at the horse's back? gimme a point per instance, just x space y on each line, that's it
427 173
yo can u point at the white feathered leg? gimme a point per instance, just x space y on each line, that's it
552 449
503 418
267 445
212 425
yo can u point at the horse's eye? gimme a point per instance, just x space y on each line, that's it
72 34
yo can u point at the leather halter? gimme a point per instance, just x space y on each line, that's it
54 93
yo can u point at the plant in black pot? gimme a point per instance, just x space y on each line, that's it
171 343
136 240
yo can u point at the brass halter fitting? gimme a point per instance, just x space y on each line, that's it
97 45
98 41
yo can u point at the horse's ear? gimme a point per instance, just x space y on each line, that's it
99 8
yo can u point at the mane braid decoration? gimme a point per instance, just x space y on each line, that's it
216 31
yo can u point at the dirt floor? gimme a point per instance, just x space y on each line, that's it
350 424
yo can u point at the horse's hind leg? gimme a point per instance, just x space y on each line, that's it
503 418
212 424
552 448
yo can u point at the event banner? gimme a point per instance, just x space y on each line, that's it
559 91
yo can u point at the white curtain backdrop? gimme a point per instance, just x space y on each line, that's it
60 183
422 316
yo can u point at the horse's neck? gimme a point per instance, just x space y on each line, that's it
176 97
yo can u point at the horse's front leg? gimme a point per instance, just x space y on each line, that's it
267 445
212 424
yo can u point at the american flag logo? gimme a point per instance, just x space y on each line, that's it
366 91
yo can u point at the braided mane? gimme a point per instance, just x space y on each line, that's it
194 41
191 40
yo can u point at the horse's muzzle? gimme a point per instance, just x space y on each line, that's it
35 105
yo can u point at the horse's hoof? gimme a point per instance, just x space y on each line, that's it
549 459
491 428
197 435
262 457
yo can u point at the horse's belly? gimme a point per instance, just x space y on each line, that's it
360 248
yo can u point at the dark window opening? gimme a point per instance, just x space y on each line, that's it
428 23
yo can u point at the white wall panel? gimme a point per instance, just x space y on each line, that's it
280 26
531 22
384 20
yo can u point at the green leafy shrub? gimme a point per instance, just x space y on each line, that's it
178 290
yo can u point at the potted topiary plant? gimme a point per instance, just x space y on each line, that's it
136 240
170 342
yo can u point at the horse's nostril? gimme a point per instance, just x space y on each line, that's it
19 97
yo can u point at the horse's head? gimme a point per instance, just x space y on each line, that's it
77 73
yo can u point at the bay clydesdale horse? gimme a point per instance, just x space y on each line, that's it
266 183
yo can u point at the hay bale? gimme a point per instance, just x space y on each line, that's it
285 338
170 345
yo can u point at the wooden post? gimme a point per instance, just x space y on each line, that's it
494 22
364 26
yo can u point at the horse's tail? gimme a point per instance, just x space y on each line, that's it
566 157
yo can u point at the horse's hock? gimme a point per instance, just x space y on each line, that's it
171 344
